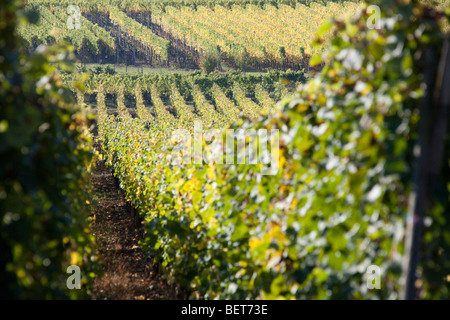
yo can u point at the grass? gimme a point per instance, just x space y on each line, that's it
159 70
145 69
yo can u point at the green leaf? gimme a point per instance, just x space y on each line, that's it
315 60
324 27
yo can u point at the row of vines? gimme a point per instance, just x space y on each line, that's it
339 200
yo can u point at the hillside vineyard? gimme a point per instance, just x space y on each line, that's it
224 150
180 35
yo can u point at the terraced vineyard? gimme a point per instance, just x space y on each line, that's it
244 34
90 40
240 35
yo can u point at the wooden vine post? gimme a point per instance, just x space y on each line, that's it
428 153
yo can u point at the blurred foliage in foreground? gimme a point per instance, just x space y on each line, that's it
44 152
339 201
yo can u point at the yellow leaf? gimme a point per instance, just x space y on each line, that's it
210 173
74 258
179 183
254 242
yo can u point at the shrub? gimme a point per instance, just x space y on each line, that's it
210 61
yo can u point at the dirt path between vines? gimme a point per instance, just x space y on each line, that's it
127 275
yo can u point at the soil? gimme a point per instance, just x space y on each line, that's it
127 273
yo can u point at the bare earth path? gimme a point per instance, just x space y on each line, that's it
127 274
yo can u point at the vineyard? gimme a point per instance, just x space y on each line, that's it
239 35
90 39
270 150
224 95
